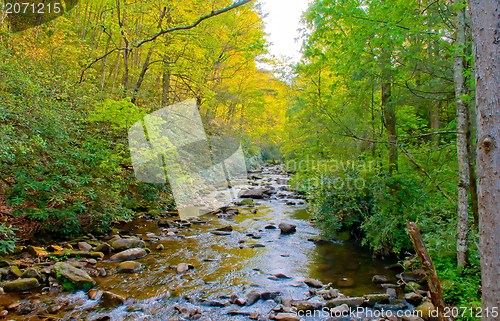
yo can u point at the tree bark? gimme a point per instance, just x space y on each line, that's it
485 16
462 155
389 113
145 66
428 266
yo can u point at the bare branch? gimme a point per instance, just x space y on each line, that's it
194 24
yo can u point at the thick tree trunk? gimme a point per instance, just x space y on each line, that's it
462 155
485 16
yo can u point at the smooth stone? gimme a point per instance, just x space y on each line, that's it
228 228
32 273
379 279
129 267
14 270
286 317
372 299
76 276
287 228
130 254
304 305
414 298
252 297
84 246
128 243
111 300
20 285
313 283
426 310
104 248
345 282
183 267
350 301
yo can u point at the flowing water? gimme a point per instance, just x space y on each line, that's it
247 259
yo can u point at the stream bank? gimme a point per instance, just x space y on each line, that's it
258 259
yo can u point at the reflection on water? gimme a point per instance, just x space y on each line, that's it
227 264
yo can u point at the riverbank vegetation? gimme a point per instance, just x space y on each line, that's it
376 122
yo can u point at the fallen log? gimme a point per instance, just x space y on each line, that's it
429 269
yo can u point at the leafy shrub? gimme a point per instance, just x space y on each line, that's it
7 239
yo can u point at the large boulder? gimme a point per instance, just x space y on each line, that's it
78 277
19 285
129 255
257 193
287 228
128 243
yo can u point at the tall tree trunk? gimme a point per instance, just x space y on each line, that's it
486 42
463 158
144 69
434 115
145 66
126 51
166 87
389 112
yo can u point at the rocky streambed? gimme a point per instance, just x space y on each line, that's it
258 259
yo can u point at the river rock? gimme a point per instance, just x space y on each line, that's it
84 246
129 267
104 248
313 283
269 295
414 298
128 243
394 306
221 233
282 276
304 305
32 273
270 227
78 277
228 228
257 193
286 317
14 270
345 282
129 255
111 300
287 228
372 299
37 251
379 279
252 297
349 301
95 294
21 285
426 310
412 286
183 267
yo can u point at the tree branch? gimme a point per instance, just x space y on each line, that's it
194 24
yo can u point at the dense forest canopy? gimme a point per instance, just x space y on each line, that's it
377 121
